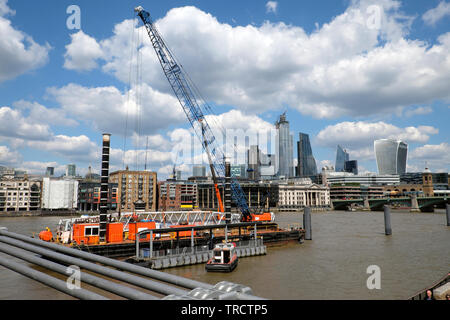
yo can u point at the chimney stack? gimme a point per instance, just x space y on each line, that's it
104 187
227 192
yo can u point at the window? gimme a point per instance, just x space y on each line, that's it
91 231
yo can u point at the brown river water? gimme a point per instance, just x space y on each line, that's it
333 265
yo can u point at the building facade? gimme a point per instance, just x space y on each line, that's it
89 196
177 196
306 163
391 156
20 195
330 178
133 186
59 193
199 171
296 196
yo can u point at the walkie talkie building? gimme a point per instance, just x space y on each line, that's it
391 156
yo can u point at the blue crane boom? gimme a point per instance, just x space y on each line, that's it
189 102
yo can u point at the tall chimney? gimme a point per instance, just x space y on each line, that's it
104 187
227 192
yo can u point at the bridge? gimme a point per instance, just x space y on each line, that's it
416 204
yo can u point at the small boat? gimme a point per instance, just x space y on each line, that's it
224 258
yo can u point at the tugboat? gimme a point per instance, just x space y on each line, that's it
224 258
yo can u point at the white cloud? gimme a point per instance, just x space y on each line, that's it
108 109
9 157
18 51
434 15
82 53
356 135
271 6
14 125
4 9
342 68
436 157
418 111
41 114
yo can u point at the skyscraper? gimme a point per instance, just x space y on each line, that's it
253 162
284 148
341 157
351 166
306 162
391 156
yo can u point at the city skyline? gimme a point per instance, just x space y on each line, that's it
62 89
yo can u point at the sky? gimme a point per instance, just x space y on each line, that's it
345 72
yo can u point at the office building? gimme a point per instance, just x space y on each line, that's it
59 193
284 148
177 196
391 156
134 187
253 162
89 195
50 172
351 167
341 157
306 163
71 170
330 178
20 195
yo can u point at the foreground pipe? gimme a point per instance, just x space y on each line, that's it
162 276
132 279
50 281
176 280
387 220
110 286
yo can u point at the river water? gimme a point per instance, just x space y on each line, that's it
333 265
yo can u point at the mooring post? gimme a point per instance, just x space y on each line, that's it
137 246
387 220
150 254
192 240
447 211
307 223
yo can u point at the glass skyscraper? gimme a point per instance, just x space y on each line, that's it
284 148
341 157
391 156
306 163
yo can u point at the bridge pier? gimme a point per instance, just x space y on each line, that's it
387 220
414 204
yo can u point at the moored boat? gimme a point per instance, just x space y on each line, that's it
224 258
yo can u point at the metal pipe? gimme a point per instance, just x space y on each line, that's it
387 220
110 286
119 275
50 281
162 276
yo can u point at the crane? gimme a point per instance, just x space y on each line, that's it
185 91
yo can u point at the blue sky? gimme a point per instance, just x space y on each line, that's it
347 72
